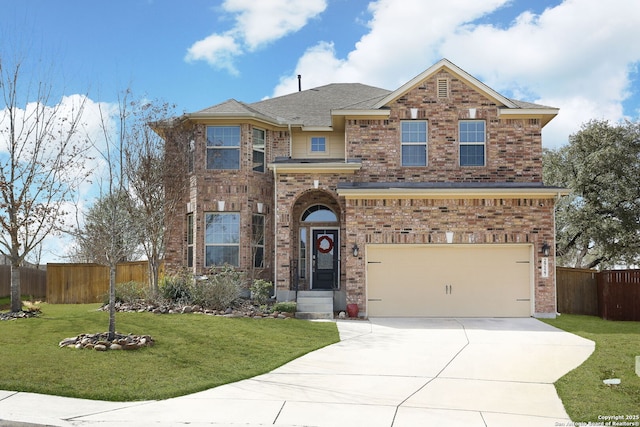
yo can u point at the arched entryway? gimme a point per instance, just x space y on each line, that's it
317 237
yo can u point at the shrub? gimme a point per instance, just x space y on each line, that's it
178 288
129 292
219 290
260 291
285 306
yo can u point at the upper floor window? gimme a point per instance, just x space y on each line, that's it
472 142
318 144
222 239
258 149
223 147
414 142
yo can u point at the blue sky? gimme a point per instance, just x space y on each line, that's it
578 55
581 56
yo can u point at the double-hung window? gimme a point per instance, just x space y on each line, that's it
258 149
223 147
222 239
414 142
472 142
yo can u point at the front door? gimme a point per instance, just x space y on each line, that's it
324 261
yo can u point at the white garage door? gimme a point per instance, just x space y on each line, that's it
449 280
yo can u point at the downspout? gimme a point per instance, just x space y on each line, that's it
275 232
345 145
555 269
290 142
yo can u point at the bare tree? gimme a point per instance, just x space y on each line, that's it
109 231
148 170
42 160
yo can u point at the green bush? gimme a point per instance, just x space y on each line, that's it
129 292
219 290
260 291
178 288
285 306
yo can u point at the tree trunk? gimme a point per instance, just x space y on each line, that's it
154 266
112 301
16 300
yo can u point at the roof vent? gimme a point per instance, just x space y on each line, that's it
443 88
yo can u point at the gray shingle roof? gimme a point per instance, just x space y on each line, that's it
313 107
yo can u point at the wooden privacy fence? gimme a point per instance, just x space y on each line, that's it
611 294
577 291
33 282
619 294
89 283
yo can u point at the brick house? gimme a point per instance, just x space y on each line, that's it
426 200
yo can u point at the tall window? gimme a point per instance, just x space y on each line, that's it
472 142
258 150
222 239
257 240
318 144
223 147
190 240
414 143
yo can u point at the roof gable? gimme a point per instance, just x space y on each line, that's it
452 68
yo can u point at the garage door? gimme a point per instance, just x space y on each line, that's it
449 280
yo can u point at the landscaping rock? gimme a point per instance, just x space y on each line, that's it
99 342
25 314
244 309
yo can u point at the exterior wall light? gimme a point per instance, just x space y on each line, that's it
355 250
221 205
449 235
546 249
260 206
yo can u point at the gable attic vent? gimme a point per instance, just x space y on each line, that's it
443 88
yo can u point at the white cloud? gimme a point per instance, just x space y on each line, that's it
576 56
218 50
257 23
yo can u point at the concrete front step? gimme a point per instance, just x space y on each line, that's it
313 316
315 305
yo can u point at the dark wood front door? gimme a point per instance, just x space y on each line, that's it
324 263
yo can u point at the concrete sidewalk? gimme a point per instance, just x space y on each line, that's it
383 372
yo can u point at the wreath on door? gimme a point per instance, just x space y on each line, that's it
321 247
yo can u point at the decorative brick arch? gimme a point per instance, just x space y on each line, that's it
305 200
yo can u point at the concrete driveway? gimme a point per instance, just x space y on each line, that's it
384 372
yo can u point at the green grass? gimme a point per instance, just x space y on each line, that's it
582 391
191 352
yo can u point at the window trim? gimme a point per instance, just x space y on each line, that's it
212 148
424 143
483 144
311 152
224 244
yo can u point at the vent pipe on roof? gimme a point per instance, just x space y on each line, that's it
299 82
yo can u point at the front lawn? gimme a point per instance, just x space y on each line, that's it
585 397
192 352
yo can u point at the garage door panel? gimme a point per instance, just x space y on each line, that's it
449 280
